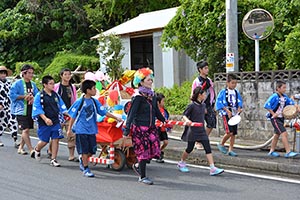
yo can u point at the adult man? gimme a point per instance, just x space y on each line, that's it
206 83
22 93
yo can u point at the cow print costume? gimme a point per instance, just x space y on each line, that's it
7 120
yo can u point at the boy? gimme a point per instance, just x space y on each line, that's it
162 131
275 104
21 94
229 103
83 115
46 108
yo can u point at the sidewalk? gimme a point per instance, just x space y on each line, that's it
247 160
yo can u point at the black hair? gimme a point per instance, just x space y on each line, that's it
201 64
26 67
64 70
87 84
198 90
159 97
46 79
280 83
231 77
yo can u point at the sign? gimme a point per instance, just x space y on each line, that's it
229 62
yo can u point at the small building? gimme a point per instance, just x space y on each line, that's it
141 38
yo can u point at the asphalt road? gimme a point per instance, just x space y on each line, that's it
24 178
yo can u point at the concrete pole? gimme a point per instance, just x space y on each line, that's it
232 56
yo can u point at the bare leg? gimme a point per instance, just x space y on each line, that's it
184 156
26 138
274 142
164 145
232 139
40 145
71 152
85 158
225 138
285 142
210 159
54 148
208 131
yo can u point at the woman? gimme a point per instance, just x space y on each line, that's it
141 121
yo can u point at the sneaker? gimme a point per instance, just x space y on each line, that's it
87 173
54 163
32 154
37 155
273 154
81 167
232 153
22 152
216 171
136 169
16 144
290 154
222 148
182 167
1 144
160 160
146 181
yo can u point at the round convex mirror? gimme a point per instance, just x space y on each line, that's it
258 24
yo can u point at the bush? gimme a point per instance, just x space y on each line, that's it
177 98
71 61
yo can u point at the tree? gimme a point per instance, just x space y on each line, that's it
199 28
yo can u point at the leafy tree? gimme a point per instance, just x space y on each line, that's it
110 47
199 28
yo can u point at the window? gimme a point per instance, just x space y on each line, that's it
141 52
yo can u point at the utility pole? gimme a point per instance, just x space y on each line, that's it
232 56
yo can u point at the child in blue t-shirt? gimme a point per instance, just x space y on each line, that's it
47 107
83 115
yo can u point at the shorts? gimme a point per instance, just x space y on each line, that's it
86 143
163 135
278 124
47 132
25 122
228 128
210 117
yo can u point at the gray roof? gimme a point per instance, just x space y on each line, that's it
144 22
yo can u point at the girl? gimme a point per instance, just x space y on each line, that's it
195 113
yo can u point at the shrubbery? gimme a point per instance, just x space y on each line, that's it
177 98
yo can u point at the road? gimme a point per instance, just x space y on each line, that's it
24 178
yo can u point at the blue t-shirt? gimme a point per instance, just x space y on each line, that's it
86 116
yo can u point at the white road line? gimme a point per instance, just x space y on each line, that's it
268 177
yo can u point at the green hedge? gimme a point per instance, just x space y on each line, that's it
177 98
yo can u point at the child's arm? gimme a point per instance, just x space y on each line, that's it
187 120
114 117
69 131
46 120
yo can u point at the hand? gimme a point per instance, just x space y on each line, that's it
48 122
240 110
275 115
1 107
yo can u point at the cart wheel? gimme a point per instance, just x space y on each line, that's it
130 157
120 159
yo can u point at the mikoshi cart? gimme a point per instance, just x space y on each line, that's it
116 151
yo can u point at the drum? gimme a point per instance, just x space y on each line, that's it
290 112
234 120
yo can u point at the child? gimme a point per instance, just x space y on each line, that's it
229 103
162 131
68 93
83 115
195 112
275 104
7 120
46 107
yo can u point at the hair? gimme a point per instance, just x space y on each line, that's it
46 79
159 97
201 64
280 83
26 67
231 77
198 90
64 70
5 71
87 84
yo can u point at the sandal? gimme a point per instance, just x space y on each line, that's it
73 159
22 152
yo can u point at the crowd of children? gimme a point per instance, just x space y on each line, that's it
55 103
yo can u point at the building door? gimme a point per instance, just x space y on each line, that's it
141 52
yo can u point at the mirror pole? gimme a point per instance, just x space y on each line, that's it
256 55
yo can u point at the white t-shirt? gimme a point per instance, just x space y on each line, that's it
232 100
